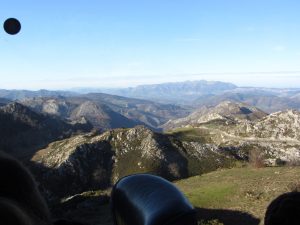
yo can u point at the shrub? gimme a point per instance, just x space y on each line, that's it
280 162
256 158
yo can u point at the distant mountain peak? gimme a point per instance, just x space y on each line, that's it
174 92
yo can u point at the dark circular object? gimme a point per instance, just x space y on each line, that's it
284 210
12 26
144 199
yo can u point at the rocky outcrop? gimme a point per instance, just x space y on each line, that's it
280 125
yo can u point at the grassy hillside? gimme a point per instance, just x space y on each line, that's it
239 195
191 134
236 196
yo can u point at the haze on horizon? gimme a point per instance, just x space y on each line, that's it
117 43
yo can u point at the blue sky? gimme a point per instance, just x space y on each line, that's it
120 43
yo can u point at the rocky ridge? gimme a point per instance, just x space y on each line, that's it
275 135
229 112
92 161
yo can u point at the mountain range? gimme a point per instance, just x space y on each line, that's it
188 94
218 105
22 94
174 92
77 144
194 94
105 111
213 138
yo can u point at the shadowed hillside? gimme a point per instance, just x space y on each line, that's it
23 131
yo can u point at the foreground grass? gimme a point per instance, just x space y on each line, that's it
239 192
236 196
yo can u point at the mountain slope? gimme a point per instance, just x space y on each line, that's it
89 162
101 116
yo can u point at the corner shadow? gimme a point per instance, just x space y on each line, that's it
227 217
83 210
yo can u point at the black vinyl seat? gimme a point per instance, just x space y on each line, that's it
144 199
